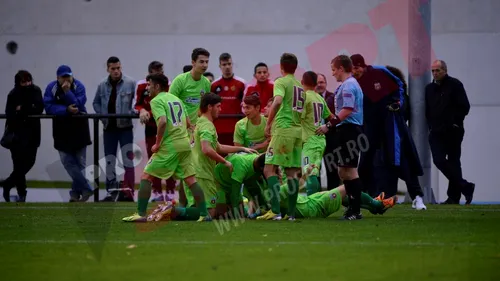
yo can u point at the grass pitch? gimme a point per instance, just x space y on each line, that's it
89 242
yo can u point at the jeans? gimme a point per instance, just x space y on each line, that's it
75 164
124 137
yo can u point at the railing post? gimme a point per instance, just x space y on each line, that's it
96 159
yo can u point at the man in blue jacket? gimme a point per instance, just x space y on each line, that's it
65 97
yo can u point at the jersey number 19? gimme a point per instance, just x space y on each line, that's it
175 112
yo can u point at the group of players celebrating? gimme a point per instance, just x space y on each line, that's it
274 156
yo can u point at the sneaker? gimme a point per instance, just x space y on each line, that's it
353 216
418 204
469 192
289 218
380 197
204 218
158 197
389 203
162 212
86 195
450 202
270 216
135 218
74 196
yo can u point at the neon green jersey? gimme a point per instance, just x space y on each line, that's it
176 137
189 92
204 131
320 204
248 134
315 111
287 121
243 169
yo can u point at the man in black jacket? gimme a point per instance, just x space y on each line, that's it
65 97
25 99
446 105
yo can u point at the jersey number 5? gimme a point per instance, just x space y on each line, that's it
175 112
298 99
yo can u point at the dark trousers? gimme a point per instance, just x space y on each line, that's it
124 137
446 149
23 160
387 178
330 162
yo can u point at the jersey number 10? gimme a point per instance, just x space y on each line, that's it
298 99
318 113
175 113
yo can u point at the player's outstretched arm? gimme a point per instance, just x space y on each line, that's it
227 149
274 109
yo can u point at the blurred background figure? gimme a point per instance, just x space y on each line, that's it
22 134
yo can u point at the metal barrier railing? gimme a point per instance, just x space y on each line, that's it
96 118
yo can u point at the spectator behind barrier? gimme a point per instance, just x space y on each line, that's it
25 99
64 97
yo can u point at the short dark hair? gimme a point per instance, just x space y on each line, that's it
22 76
261 160
208 74
159 79
199 52
310 78
112 60
224 57
252 99
209 99
260 64
289 63
187 68
154 65
344 61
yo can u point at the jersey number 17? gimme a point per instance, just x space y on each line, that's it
175 112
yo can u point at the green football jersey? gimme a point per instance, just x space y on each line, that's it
321 204
316 110
204 131
176 138
189 92
242 169
287 121
248 134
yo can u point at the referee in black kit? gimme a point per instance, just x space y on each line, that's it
347 124
446 105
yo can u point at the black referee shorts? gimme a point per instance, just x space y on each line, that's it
350 143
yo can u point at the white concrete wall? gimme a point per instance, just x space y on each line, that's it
84 34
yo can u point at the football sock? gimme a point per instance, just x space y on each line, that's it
353 190
312 185
368 203
199 198
293 193
274 188
143 197
190 214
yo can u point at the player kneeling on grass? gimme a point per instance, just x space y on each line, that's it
172 150
207 149
326 203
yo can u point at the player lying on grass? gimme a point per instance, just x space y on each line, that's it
319 205
172 150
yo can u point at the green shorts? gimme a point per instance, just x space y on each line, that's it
312 153
321 205
213 195
284 151
164 166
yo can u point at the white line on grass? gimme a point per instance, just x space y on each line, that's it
265 243
107 207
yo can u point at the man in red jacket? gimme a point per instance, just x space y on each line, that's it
230 88
264 86
146 117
